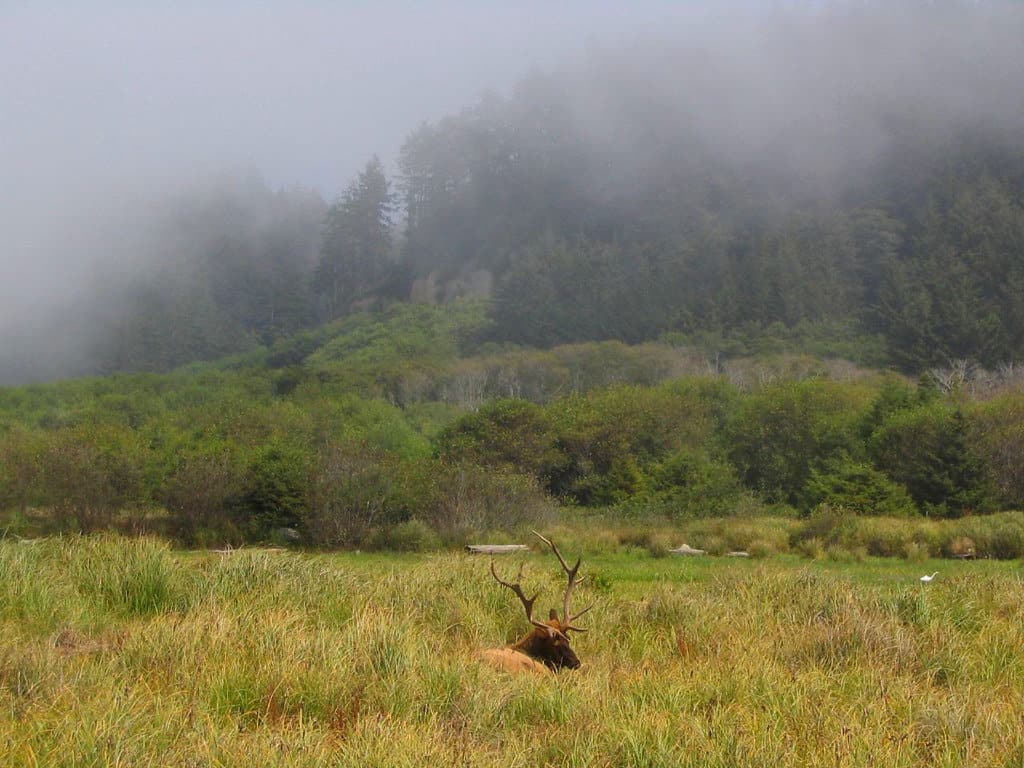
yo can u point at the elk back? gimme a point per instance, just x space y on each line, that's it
510 660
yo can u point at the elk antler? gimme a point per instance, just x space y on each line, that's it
526 601
567 618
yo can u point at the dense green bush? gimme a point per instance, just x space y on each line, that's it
470 500
690 483
20 464
856 487
272 493
926 449
90 474
506 434
243 451
777 437
997 434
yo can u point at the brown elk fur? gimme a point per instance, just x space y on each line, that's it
546 648
510 660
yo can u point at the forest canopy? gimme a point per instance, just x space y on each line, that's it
852 176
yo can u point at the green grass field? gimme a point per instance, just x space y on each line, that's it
120 652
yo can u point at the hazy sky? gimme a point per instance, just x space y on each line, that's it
303 91
102 102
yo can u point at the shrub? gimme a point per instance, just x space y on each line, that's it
411 536
690 483
505 434
778 436
760 548
198 495
926 450
91 473
273 491
352 490
859 488
464 500
612 437
20 453
997 429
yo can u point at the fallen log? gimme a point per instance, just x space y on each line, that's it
686 549
496 549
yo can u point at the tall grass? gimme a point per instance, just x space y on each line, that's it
121 652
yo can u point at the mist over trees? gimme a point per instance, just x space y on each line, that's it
848 170
669 190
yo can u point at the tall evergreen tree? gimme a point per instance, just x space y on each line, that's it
356 241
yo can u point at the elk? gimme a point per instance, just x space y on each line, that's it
546 648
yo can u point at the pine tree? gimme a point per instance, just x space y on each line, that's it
356 241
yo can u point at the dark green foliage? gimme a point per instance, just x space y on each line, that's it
957 293
353 489
507 434
856 487
997 434
90 474
926 449
382 428
356 250
272 493
461 501
690 483
613 435
776 438
591 449
20 467
893 396
580 291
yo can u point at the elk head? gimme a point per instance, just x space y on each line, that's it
548 643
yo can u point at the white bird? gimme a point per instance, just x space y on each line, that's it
926 579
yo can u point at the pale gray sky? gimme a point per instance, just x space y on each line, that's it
104 102
101 101
304 91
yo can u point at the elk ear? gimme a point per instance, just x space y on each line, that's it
553 615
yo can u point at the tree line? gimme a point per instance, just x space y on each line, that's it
621 223
324 451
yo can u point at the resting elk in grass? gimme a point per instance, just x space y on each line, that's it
546 649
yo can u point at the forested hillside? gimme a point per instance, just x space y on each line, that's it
824 180
777 272
392 429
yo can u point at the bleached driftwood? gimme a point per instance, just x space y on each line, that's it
496 549
738 553
686 549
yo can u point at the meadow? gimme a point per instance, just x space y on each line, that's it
126 652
